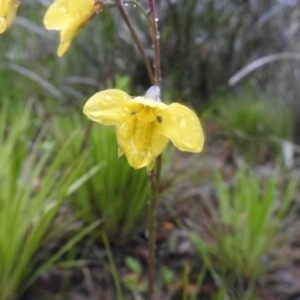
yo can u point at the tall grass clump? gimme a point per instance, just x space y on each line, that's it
34 184
115 193
254 125
242 232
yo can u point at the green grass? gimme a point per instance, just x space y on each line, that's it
116 194
34 183
236 240
252 123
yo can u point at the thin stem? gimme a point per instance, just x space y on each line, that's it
155 42
112 266
142 10
136 40
138 6
152 234
86 136
155 173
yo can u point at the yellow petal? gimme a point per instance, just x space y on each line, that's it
108 107
149 102
67 35
55 18
183 128
69 16
141 142
8 9
62 12
63 47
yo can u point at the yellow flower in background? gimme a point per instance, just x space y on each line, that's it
145 124
69 16
8 10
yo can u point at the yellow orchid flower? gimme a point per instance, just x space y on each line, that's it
69 16
144 124
8 10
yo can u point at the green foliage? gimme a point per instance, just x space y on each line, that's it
254 115
33 186
198 38
221 294
116 193
252 124
133 264
242 231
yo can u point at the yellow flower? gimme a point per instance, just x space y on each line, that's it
8 9
69 16
144 124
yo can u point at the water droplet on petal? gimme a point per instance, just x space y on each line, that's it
107 100
62 6
96 113
182 120
125 112
188 142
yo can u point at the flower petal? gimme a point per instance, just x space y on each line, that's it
56 18
69 16
108 107
67 34
8 9
141 142
183 128
149 102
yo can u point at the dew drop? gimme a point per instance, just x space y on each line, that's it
134 5
62 6
125 112
199 40
156 18
106 100
158 35
126 3
188 142
182 120
96 113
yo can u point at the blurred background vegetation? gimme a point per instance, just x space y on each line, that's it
229 236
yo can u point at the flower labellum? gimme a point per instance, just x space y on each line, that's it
145 124
8 10
69 16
